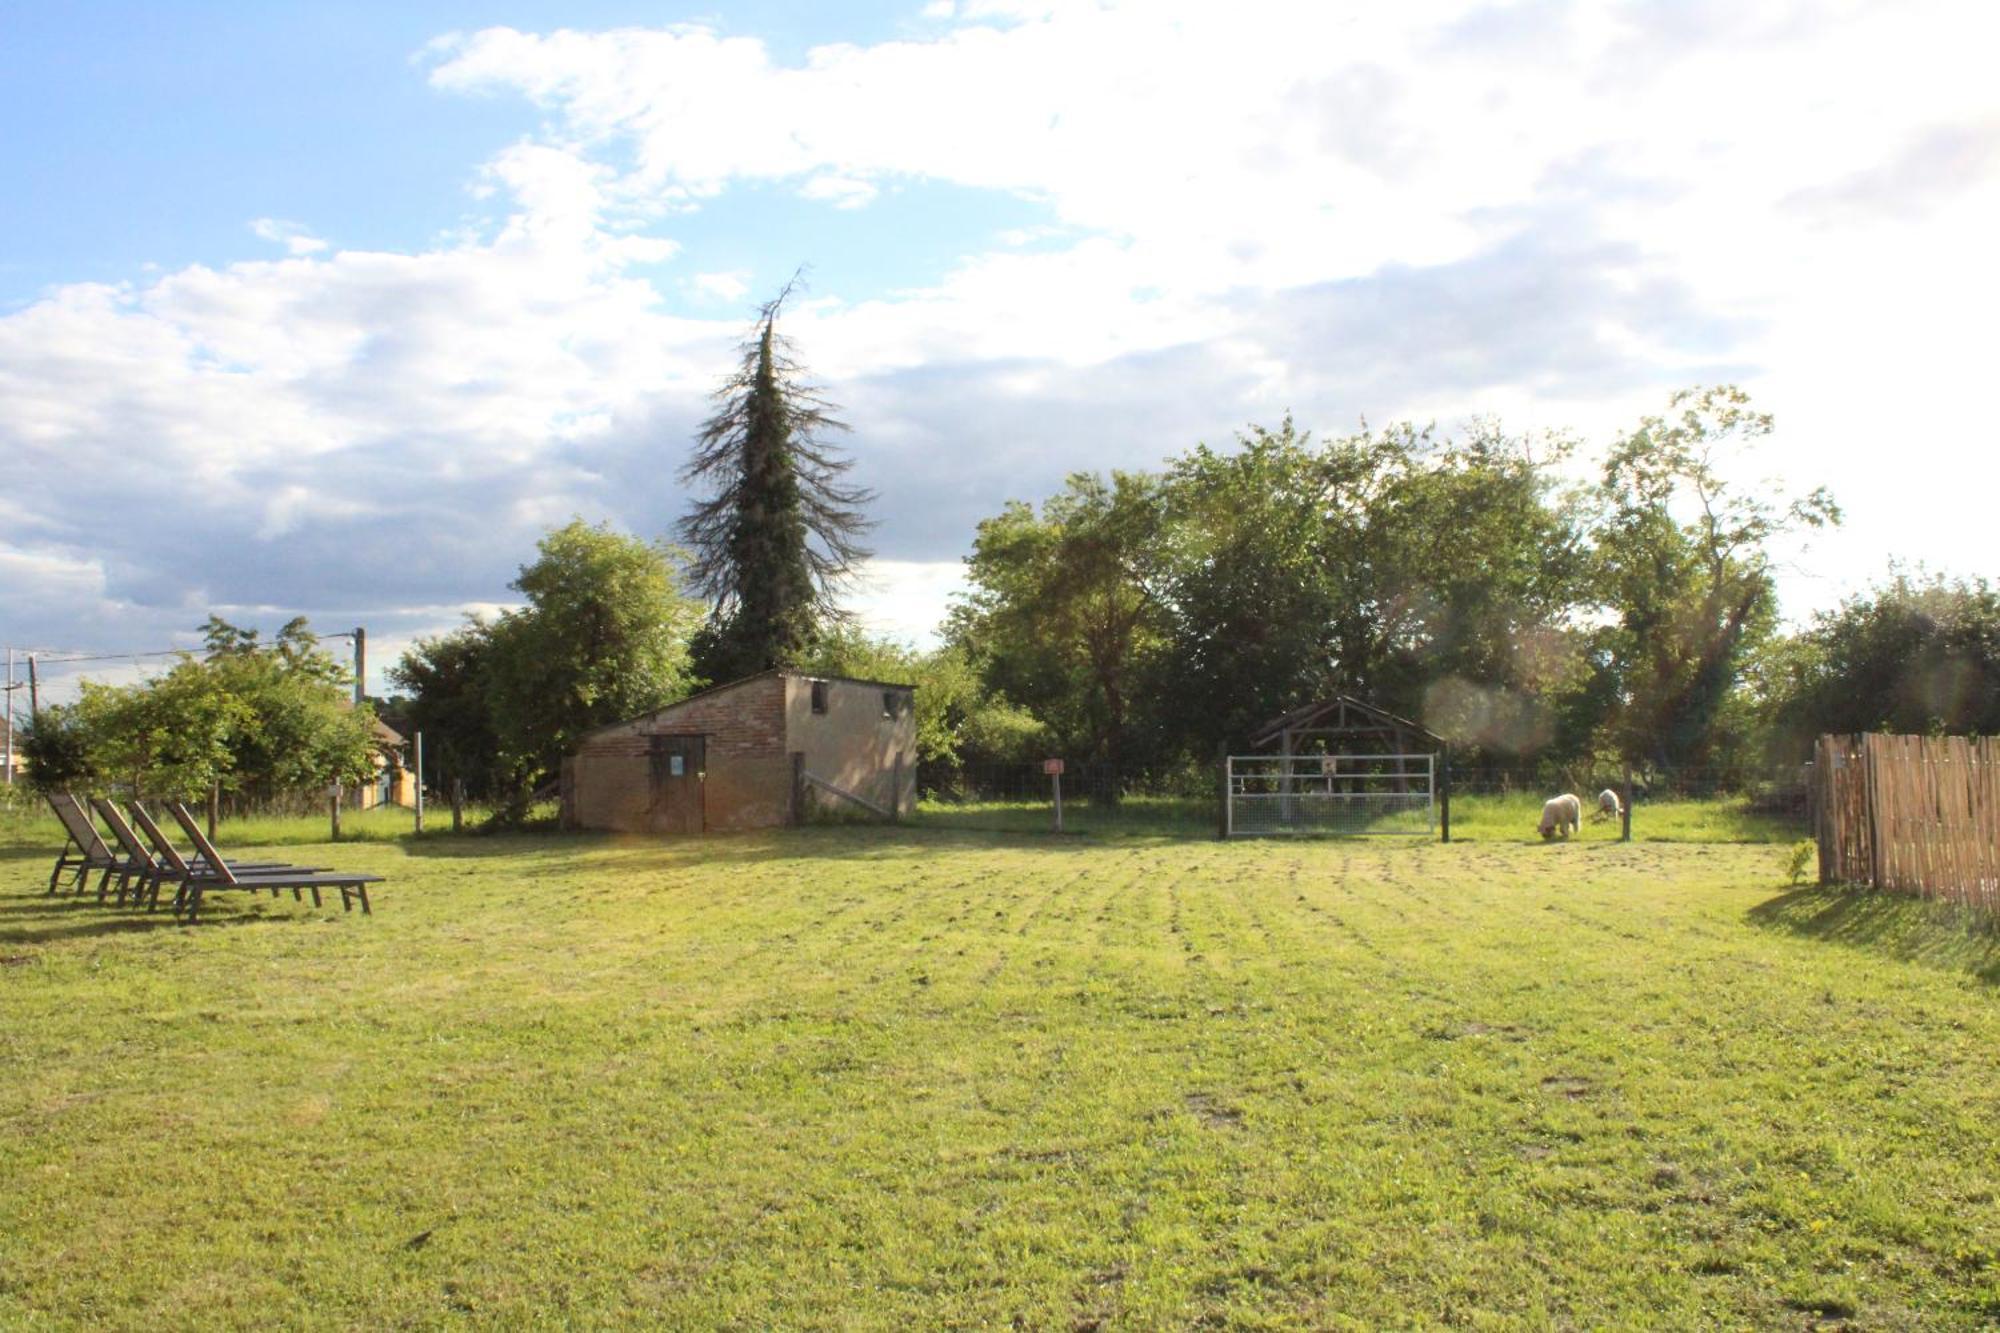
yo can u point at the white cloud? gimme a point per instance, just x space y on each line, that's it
341 431
731 286
296 239
1555 211
1748 175
840 191
1197 151
906 599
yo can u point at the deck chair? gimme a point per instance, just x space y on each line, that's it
351 886
171 865
151 870
140 864
92 854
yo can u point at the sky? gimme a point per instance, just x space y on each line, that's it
332 309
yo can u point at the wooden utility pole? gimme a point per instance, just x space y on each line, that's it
458 805
34 693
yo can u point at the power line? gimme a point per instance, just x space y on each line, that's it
59 655
45 658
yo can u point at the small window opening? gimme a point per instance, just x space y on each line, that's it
819 696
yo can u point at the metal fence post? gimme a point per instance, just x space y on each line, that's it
1229 797
1222 779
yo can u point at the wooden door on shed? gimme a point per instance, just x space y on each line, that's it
677 783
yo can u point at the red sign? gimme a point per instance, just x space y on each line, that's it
1052 767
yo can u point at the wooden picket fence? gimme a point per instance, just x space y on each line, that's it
1910 814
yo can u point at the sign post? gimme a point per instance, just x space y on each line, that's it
1054 768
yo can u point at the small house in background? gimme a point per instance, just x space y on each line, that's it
756 753
393 783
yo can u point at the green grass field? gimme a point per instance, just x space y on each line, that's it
868 1078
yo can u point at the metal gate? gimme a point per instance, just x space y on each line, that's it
1331 793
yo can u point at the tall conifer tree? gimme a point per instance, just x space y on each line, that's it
780 532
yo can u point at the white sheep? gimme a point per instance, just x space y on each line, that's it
1562 814
1608 806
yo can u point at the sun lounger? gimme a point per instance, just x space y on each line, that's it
152 869
92 854
225 876
183 869
139 863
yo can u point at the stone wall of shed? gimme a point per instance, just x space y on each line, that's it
853 745
749 774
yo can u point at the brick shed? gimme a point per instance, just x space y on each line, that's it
756 753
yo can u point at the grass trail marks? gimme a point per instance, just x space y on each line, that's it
918 1079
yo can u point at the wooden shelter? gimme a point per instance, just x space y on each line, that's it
1341 724
1342 718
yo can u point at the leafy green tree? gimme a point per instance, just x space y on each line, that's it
1435 578
1683 560
1916 655
247 718
1265 576
172 734
56 749
1475 568
302 730
604 636
446 677
1063 615
780 530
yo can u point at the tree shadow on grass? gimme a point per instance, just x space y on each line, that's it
1891 925
42 918
814 842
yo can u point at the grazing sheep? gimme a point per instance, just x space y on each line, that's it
1563 814
1608 806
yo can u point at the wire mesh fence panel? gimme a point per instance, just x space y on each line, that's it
1693 804
1488 801
1336 794
1096 798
